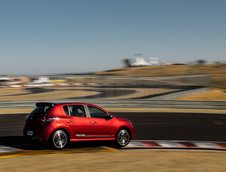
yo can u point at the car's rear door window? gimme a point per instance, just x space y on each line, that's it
75 110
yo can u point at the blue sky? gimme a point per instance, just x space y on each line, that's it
60 36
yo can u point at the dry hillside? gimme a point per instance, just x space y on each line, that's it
217 72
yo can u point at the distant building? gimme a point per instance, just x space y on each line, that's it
41 80
154 61
139 61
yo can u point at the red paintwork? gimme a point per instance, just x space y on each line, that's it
95 129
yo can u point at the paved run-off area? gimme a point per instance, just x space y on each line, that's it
121 160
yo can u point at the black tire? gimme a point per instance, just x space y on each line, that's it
59 139
122 138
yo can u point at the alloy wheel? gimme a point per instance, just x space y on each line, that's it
59 139
123 138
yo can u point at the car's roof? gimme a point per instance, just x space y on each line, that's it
61 103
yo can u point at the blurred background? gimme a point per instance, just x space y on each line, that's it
114 53
138 84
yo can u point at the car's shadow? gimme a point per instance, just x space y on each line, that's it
21 142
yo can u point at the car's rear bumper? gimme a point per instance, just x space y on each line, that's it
42 134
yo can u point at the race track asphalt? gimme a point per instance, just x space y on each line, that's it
149 126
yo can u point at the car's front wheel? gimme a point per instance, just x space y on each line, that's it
59 139
122 138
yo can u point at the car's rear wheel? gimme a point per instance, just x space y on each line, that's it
122 138
59 139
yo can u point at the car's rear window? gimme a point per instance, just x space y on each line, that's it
40 110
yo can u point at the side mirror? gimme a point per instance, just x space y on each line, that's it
108 117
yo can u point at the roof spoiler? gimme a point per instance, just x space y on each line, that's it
42 104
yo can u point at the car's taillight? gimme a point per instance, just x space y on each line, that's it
46 120
26 118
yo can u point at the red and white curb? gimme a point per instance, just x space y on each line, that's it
152 144
161 144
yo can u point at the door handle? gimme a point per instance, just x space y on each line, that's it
94 122
69 121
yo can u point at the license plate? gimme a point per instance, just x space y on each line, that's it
30 133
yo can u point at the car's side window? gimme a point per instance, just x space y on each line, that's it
75 110
96 113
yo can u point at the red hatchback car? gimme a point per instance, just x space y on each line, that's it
61 123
